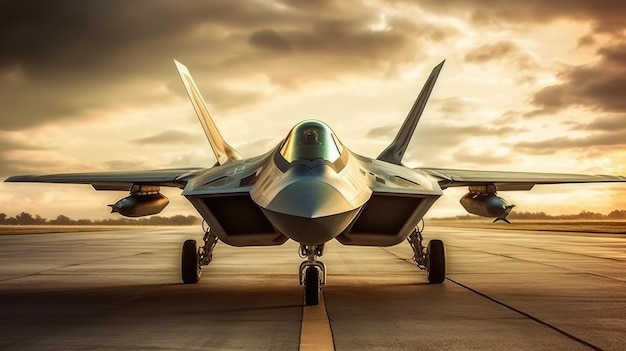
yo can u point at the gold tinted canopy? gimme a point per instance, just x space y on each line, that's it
311 140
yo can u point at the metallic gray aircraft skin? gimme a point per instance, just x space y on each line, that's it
312 189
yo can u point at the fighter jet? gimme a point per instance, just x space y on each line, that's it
311 189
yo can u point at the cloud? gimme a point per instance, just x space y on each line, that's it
501 51
13 162
490 52
268 39
508 54
73 36
483 159
586 40
605 123
170 136
16 155
605 16
256 147
62 61
452 105
230 99
126 165
11 143
593 141
382 132
442 135
598 86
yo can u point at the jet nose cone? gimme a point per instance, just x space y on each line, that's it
309 199
310 211
311 231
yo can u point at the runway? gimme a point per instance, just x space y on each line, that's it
505 290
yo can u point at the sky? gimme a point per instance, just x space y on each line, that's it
527 86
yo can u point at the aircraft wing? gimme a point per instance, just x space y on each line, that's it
511 180
115 180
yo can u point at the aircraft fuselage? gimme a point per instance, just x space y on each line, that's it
310 192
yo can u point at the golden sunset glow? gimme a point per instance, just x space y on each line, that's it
527 86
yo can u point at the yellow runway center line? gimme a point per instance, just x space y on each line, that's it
315 333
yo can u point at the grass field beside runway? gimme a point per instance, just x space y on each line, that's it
582 226
51 229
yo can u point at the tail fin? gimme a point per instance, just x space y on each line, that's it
224 153
395 151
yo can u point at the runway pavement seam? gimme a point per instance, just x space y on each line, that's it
527 315
564 252
406 260
541 263
77 264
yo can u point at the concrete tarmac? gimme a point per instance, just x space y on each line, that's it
505 290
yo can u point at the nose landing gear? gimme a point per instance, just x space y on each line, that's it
312 273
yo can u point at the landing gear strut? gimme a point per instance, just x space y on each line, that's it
193 258
432 258
312 273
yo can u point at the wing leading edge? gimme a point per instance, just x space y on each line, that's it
511 180
115 180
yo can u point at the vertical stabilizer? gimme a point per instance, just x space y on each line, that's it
395 151
224 153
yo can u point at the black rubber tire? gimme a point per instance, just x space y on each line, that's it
311 286
190 272
436 262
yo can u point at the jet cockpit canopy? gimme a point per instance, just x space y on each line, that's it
311 140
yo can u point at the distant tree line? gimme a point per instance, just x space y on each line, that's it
586 215
27 219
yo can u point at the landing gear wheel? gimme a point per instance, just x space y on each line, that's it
190 269
436 269
311 286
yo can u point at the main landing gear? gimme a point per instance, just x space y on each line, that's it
312 273
193 258
431 258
